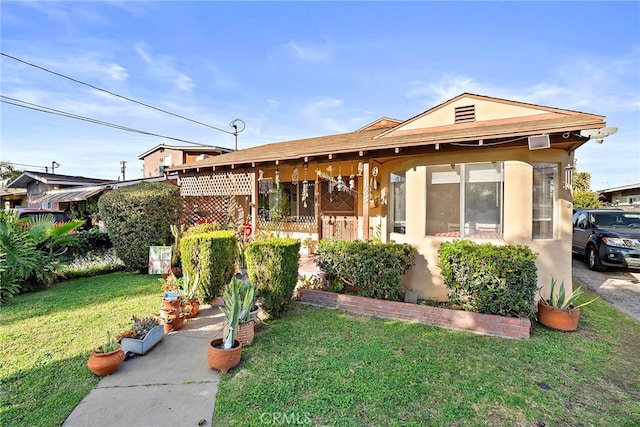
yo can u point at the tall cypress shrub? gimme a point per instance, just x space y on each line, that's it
212 255
139 216
272 265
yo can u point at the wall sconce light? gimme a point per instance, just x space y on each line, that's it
568 177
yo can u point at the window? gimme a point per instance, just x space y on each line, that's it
544 206
465 200
286 202
398 202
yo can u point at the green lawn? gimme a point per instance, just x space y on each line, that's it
326 367
46 338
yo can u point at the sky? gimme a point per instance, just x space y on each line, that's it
292 70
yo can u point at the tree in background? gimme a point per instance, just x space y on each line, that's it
583 197
8 172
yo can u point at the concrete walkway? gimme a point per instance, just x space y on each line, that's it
172 385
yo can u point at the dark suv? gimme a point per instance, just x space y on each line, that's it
607 238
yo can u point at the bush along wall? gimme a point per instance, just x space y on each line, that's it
272 265
139 216
371 267
491 279
213 256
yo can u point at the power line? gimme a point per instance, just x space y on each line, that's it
113 94
43 109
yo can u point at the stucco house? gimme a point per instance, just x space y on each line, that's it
474 167
162 157
626 196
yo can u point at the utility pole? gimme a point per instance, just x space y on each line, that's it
122 168
54 165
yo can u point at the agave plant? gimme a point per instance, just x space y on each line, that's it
562 300
231 310
247 298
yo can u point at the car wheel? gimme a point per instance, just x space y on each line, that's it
593 261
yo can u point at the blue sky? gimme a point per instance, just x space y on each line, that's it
300 69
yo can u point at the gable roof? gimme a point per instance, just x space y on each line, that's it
28 177
187 149
498 121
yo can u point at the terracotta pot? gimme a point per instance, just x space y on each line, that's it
173 322
171 305
219 358
194 306
245 333
558 319
105 363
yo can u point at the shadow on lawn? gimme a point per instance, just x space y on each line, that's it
78 293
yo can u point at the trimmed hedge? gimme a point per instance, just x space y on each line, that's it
490 279
139 216
213 255
272 265
374 267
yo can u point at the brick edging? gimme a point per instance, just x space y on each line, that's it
478 323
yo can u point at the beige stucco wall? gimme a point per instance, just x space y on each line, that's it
554 258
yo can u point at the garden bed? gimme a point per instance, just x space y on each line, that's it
478 323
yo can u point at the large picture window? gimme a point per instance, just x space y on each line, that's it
287 202
465 200
398 202
544 206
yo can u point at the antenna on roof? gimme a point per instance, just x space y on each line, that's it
234 125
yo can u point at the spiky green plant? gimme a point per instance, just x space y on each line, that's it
247 296
187 287
562 300
231 310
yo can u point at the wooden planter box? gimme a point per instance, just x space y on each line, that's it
138 346
478 323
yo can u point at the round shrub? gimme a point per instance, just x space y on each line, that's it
371 268
491 279
139 216
272 265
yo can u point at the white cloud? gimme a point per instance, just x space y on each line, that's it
161 67
308 52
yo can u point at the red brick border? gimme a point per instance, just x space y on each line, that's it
478 323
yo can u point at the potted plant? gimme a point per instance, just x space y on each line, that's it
145 332
308 246
224 353
187 290
248 312
107 358
171 312
558 312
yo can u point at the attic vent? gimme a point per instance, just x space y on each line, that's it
466 114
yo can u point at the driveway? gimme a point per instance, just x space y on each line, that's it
619 287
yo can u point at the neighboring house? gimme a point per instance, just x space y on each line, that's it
162 157
474 167
626 196
12 197
38 185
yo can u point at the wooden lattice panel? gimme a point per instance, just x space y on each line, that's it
216 184
206 209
